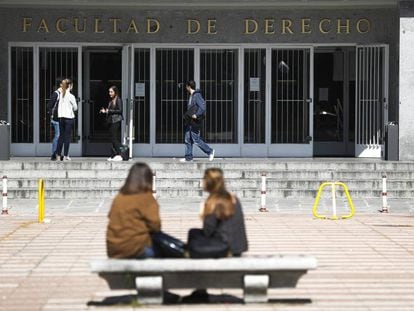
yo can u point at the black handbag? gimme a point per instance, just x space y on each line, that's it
201 246
166 246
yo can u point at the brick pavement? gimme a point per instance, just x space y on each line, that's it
365 263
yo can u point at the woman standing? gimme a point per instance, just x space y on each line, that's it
66 108
114 120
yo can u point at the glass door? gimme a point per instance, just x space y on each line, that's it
254 102
219 84
102 69
371 99
291 105
174 66
334 107
56 64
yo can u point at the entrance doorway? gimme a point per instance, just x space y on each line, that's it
102 69
334 104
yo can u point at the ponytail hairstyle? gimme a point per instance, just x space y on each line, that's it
220 202
65 86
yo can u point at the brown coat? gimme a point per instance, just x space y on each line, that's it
131 220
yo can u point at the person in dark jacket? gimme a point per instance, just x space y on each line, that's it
223 221
193 118
52 111
114 120
222 216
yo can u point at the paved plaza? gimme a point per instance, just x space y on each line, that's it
364 263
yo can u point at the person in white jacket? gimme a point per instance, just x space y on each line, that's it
67 107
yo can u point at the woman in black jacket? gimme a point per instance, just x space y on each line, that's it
223 233
223 230
114 120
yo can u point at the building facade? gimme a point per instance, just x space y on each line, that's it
280 78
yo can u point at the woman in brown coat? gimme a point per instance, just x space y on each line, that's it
134 215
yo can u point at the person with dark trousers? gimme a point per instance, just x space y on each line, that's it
193 118
224 231
114 121
52 111
66 113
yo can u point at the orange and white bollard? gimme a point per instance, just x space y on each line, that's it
263 194
154 187
4 210
384 195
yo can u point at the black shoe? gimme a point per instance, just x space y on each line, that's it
171 298
53 157
61 158
197 296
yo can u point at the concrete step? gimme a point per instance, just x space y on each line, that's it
249 164
286 177
29 193
184 183
229 174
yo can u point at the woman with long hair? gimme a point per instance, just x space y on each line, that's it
133 217
114 120
223 221
223 233
66 114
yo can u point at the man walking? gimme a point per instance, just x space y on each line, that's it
193 118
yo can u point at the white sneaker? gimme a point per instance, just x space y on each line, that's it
117 158
185 160
109 159
67 158
211 156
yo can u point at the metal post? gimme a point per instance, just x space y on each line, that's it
263 194
154 187
334 202
4 210
130 128
41 201
384 194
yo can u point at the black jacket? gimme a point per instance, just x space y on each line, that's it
115 112
53 105
231 230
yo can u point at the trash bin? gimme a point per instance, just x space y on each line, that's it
391 141
4 140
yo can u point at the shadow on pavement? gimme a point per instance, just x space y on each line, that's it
170 298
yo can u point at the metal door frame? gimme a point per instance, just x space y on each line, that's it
36 148
151 149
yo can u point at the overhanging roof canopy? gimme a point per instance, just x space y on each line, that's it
200 3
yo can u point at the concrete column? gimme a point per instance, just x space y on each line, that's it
150 289
406 111
255 288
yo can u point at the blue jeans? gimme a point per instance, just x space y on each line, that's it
193 137
56 129
148 253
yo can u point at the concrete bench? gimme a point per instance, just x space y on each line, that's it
151 277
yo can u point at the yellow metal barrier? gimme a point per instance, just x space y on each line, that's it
334 216
41 201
